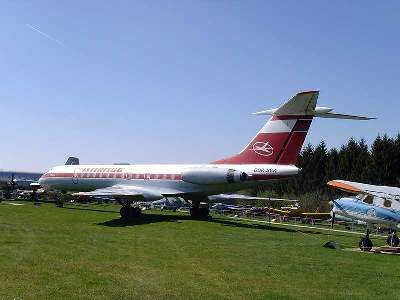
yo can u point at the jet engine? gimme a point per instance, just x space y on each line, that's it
209 175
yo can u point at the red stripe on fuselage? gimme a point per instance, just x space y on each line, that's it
129 176
57 175
142 176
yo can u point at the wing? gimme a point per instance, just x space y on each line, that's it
367 189
126 192
227 197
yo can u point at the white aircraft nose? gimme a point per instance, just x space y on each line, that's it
41 179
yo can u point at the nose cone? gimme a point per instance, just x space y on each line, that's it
336 204
42 179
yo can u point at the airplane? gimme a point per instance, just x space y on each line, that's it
169 204
299 213
372 204
222 207
11 180
293 210
271 154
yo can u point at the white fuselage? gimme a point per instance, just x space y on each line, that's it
165 179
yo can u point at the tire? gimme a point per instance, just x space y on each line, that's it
135 212
125 212
194 212
393 240
204 212
365 244
201 212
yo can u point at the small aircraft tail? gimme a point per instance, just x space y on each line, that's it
72 161
282 137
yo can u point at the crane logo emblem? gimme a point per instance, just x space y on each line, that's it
263 148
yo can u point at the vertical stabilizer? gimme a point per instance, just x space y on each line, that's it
282 137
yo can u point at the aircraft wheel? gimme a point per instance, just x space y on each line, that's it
135 212
204 212
365 244
125 212
200 212
393 240
194 212
128 212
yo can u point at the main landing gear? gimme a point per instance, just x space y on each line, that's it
365 243
393 239
129 212
59 200
198 212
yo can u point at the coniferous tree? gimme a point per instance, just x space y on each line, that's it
354 162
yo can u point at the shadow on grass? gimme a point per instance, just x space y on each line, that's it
145 219
89 209
155 218
233 223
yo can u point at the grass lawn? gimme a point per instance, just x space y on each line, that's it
87 252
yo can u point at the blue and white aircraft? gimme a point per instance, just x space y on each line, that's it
372 205
11 180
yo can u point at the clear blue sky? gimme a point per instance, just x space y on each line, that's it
176 81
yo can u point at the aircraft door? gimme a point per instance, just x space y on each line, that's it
75 176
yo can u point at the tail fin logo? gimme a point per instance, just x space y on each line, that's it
263 148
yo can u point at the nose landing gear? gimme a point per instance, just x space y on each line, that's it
197 212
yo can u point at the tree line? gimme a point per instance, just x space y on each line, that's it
378 164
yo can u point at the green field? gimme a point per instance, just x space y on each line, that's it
87 252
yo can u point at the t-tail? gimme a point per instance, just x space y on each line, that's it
280 140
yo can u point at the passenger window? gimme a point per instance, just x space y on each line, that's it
387 203
369 199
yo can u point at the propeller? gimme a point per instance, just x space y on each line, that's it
10 188
333 217
12 181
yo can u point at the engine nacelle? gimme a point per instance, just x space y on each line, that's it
209 175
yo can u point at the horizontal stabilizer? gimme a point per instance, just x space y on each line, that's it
304 103
301 104
342 116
